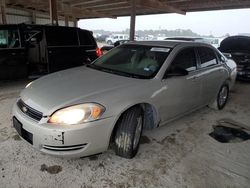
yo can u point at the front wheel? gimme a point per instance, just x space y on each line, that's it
128 133
109 42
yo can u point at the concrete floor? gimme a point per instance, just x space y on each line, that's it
180 154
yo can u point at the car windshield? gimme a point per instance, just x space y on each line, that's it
136 61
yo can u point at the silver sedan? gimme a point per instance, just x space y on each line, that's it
138 85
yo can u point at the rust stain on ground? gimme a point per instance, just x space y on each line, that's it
55 169
144 140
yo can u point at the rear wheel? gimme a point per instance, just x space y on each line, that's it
128 133
222 98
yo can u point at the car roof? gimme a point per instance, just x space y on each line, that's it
167 43
38 26
185 38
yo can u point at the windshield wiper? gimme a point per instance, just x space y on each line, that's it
112 71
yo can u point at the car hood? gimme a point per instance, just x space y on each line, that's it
235 44
72 86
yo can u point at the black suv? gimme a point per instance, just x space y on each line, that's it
39 49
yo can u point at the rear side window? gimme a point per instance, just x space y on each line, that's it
207 57
86 38
185 59
61 36
9 38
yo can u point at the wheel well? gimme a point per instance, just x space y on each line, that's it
227 82
150 117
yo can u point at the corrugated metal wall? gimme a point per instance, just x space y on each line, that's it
19 16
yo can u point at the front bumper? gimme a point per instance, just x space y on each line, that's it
65 141
243 75
243 71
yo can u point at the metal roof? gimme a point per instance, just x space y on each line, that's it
81 9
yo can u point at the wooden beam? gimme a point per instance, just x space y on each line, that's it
75 22
81 2
114 8
108 4
78 11
66 20
33 17
53 12
156 4
132 21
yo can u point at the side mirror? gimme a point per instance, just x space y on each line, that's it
227 55
86 61
177 72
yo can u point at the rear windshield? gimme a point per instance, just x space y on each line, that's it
86 38
133 60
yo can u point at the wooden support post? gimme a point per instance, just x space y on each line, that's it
53 12
3 12
75 22
33 17
66 20
132 21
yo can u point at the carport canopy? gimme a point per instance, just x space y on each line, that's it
72 10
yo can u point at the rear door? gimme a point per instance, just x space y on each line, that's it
88 46
12 54
212 73
182 93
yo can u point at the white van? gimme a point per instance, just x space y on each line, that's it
115 37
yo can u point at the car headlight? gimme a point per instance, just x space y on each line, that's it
77 114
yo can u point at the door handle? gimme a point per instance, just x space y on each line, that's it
221 70
195 77
13 53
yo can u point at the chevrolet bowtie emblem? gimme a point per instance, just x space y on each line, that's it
24 109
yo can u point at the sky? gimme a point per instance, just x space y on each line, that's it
217 23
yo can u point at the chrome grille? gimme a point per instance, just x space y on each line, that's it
31 112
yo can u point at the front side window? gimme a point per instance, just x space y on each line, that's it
184 60
207 57
133 60
9 38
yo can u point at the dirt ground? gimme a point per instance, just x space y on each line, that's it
179 154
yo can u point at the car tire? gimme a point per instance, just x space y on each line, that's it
221 98
109 42
128 133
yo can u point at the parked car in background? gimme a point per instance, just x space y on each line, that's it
102 38
115 37
136 86
106 48
38 49
239 48
215 42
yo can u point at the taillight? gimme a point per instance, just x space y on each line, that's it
98 52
